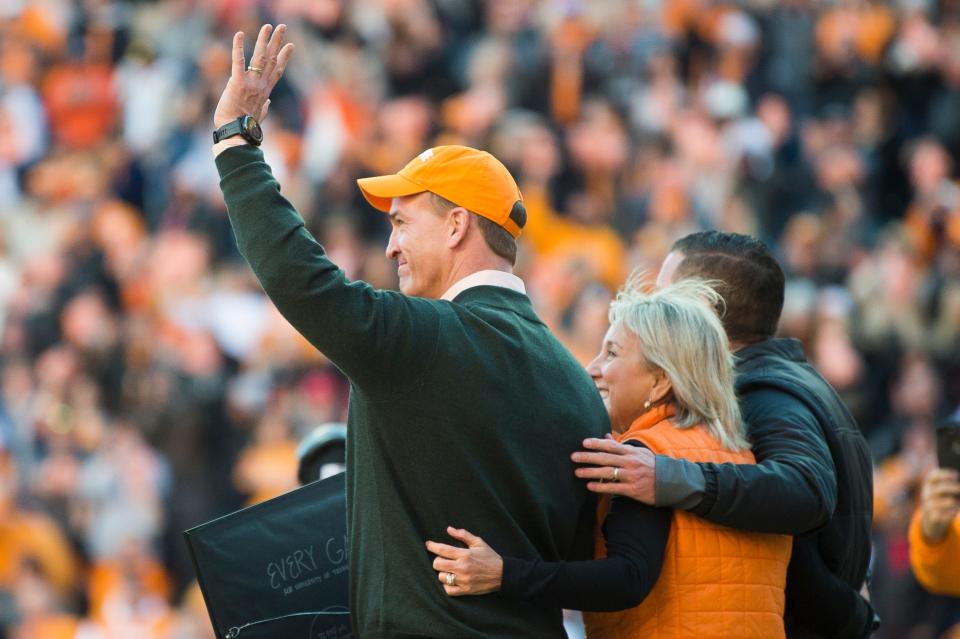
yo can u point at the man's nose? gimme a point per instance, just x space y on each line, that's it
392 251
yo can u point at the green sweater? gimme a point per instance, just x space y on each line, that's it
462 413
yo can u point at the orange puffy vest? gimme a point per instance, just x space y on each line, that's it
715 581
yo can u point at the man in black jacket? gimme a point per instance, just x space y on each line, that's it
813 478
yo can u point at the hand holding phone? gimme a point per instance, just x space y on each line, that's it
948 446
939 503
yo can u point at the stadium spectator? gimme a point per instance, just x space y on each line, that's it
935 534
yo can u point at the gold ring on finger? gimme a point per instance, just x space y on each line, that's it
254 69
451 579
616 475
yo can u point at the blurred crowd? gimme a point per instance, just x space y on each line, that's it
147 385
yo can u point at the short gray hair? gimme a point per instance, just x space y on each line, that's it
498 239
680 333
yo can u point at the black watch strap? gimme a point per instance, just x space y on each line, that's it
236 127
228 130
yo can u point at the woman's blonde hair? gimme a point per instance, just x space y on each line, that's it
680 333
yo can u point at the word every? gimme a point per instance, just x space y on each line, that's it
303 561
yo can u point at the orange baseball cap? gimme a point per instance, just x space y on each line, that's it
473 179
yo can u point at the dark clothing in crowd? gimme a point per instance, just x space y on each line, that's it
461 413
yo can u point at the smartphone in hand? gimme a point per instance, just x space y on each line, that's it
948 445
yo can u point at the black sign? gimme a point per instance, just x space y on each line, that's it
279 568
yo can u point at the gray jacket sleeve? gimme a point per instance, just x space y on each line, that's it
791 490
679 483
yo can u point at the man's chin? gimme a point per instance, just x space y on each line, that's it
406 287
414 289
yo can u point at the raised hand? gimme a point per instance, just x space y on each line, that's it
474 570
248 90
939 503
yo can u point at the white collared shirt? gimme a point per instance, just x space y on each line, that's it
485 278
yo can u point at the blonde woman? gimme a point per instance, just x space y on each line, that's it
665 374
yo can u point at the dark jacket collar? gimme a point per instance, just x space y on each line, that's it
783 347
498 297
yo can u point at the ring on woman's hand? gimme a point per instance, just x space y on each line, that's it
616 475
254 69
451 579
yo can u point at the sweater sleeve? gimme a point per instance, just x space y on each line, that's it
366 332
791 490
936 565
636 539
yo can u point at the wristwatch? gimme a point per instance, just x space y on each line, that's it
245 126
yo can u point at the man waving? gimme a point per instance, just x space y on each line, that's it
463 406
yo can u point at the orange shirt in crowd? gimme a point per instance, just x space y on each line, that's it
936 565
52 627
81 104
34 537
107 578
868 28
266 470
39 24
551 236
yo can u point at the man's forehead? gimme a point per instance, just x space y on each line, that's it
404 203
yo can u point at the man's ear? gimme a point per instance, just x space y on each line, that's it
458 225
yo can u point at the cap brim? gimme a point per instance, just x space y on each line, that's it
381 190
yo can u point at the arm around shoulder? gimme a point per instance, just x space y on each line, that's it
791 490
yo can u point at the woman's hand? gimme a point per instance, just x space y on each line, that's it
476 569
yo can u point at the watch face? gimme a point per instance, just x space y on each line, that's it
252 127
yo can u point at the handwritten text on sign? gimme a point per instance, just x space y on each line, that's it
311 562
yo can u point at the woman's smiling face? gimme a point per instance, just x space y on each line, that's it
621 375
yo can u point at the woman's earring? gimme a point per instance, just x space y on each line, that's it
646 405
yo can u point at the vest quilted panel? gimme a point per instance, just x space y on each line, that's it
716 582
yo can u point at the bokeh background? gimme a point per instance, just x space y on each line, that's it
147 385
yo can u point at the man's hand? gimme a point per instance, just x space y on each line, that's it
249 88
939 503
636 477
